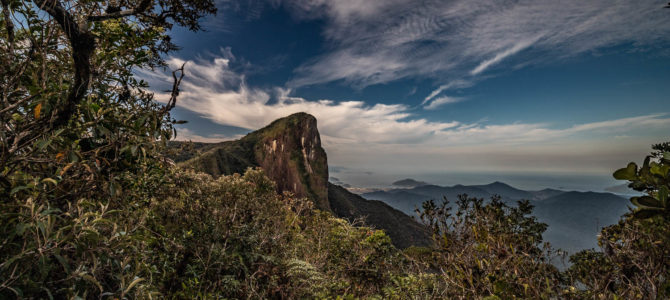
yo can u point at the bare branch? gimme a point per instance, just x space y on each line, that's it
17 103
122 13
175 89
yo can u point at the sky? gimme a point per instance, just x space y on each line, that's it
427 88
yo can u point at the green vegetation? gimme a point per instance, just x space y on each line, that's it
91 207
635 262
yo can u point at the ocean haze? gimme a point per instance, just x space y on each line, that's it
525 181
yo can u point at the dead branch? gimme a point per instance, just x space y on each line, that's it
175 89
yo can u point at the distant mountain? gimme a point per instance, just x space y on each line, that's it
289 151
622 189
505 190
546 193
574 218
407 200
409 182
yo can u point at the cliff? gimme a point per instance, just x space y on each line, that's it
289 151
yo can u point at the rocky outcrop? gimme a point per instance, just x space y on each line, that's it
289 151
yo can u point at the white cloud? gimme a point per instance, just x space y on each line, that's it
451 85
380 41
441 101
185 134
229 101
391 136
502 55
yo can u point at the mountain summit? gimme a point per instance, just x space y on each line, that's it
289 151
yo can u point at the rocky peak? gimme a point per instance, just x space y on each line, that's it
289 150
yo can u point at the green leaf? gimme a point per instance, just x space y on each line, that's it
663 196
63 263
132 284
42 144
92 280
73 157
646 202
18 189
645 213
50 180
627 173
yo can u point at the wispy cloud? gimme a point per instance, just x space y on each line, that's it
502 55
375 42
451 85
441 101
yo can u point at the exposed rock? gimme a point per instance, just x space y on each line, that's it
289 151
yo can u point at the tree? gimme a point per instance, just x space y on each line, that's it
80 140
489 249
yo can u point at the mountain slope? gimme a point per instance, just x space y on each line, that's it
402 229
289 151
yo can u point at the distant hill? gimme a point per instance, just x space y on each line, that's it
623 189
409 182
574 218
289 151
503 189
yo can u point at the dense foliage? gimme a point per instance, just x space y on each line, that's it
490 249
91 208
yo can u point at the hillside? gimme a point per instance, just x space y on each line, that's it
289 151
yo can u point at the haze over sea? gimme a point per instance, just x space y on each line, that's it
520 180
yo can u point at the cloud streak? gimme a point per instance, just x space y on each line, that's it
374 42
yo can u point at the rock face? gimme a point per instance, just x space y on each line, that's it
289 151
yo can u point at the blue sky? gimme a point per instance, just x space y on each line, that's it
417 87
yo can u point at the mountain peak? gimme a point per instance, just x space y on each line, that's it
409 182
289 151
